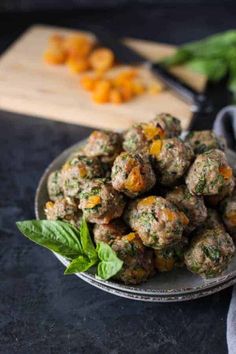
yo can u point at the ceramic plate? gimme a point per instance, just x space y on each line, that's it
174 285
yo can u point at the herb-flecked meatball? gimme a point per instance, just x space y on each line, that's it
76 171
209 174
132 174
193 206
100 202
103 144
204 140
64 209
138 260
157 221
171 159
171 257
210 252
228 209
54 185
139 137
109 232
214 200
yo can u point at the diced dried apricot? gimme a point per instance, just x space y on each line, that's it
138 88
156 147
101 92
134 181
88 83
226 172
150 131
77 65
148 201
102 59
124 76
127 91
56 39
92 201
49 205
83 171
66 166
115 96
155 89
131 236
184 219
231 217
78 45
164 264
55 55
169 214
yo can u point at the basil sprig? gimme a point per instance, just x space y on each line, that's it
74 244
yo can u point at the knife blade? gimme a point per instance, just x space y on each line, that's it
124 54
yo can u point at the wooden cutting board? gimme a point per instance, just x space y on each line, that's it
31 87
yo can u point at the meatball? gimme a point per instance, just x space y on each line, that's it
214 200
100 202
210 252
109 232
139 136
131 213
204 140
193 206
64 209
209 174
170 125
132 174
54 186
228 209
168 258
171 159
157 221
75 172
103 144
138 260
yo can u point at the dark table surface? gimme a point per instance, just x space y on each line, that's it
43 311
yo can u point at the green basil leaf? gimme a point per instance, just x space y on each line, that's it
79 264
110 264
86 241
57 236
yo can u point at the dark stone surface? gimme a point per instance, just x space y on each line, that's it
42 311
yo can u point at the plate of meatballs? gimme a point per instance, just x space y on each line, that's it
163 200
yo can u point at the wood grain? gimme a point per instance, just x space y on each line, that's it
31 87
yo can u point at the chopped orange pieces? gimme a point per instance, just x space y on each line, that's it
155 89
134 182
170 215
92 201
55 55
231 217
131 236
78 45
164 264
226 172
77 64
102 59
49 205
147 201
78 53
102 91
184 219
83 171
115 96
150 131
156 147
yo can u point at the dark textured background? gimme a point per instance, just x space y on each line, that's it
44 312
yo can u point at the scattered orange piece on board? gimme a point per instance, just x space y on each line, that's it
78 45
102 59
77 65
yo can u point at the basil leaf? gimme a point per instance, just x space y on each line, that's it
110 264
57 236
79 264
86 241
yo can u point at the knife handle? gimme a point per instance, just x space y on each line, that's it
198 100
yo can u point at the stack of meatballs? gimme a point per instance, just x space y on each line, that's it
158 200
